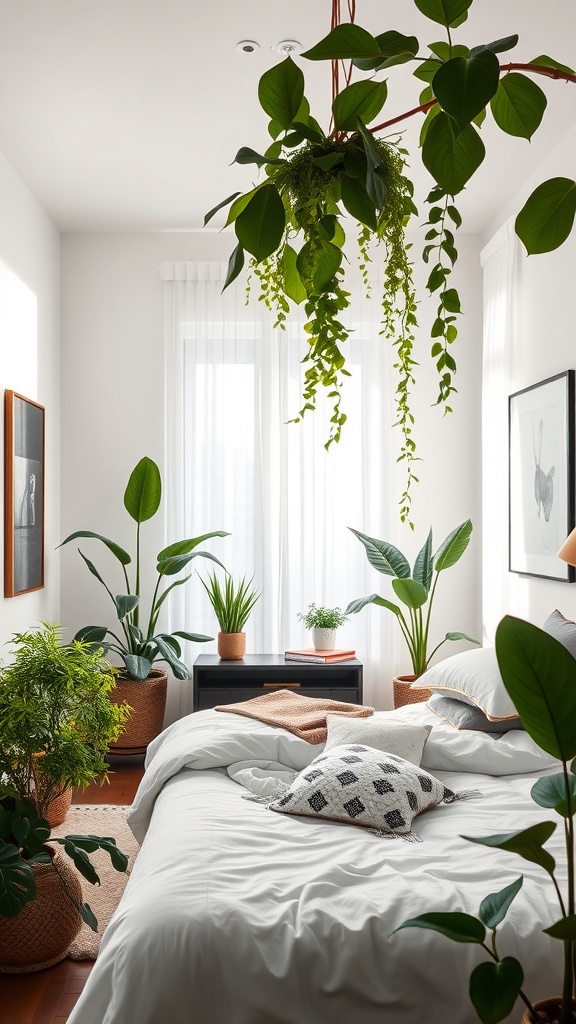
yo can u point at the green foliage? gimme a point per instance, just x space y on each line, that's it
140 646
322 618
540 677
414 590
56 716
292 222
25 840
232 603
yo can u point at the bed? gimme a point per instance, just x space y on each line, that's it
237 915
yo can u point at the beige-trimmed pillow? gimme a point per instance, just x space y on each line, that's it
473 677
401 738
466 716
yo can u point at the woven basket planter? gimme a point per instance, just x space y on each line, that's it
404 694
58 808
548 1010
42 932
231 646
147 698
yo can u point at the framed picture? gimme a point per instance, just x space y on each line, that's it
23 495
541 499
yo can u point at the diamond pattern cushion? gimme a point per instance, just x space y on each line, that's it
360 785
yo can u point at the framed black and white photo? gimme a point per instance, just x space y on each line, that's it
541 502
23 495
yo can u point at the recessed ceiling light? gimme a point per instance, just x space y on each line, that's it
288 47
247 46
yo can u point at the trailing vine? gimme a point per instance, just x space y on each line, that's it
289 223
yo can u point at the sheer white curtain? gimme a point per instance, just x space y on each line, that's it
501 260
234 463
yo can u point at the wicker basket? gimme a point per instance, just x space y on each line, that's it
58 808
404 694
147 698
231 646
42 932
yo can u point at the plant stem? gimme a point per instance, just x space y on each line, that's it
135 614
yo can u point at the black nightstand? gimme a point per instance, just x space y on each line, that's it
226 682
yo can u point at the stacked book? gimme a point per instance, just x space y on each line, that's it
319 657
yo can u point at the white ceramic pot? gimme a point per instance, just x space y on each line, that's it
324 639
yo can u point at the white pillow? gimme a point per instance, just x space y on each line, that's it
462 715
562 629
400 738
360 785
473 677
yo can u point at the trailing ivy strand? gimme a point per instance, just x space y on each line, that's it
311 184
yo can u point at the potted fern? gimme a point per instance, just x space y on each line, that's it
323 622
232 603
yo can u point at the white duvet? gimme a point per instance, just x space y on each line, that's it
236 915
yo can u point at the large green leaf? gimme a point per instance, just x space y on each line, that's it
527 843
494 907
456 926
451 160
464 86
280 91
424 565
245 155
498 46
318 263
551 792
383 556
215 209
182 547
543 61
540 676
547 217
395 48
374 184
564 929
126 603
494 988
122 556
453 547
411 593
144 491
261 224
17 882
446 12
361 99
138 667
345 42
357 202
518 106
361 602
293 286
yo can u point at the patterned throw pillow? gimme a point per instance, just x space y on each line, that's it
363 786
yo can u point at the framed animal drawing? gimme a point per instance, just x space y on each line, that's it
541 475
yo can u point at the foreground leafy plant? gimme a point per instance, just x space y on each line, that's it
291 222
540 676
141 645
415 589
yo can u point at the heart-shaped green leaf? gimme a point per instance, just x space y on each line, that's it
547 217
293 286
345 42
518 106
395 48
280 91
451 161
463 86
360 100
411 593
260 226
551 792
357 202
450 13
494 989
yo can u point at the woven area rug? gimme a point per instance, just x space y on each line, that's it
99 820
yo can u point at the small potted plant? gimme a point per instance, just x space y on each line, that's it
232 603
56 721
141 643
539 673
323 622
416 590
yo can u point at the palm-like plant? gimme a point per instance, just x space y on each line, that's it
141 645
232 603
416 589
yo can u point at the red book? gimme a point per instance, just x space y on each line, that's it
319 657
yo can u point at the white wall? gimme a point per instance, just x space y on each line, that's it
113 413
29 364
545 345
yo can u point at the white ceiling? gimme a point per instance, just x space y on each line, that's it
124 115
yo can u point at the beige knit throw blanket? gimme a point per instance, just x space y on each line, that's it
304 716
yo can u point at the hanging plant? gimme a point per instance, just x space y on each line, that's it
289 226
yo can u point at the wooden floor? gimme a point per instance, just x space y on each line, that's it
48 997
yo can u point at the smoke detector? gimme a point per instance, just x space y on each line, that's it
288 47
247 46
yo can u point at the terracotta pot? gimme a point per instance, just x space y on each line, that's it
42 932
147 698
404 694
548 1010
231 646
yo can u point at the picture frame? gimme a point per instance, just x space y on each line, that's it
24 477
541 477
